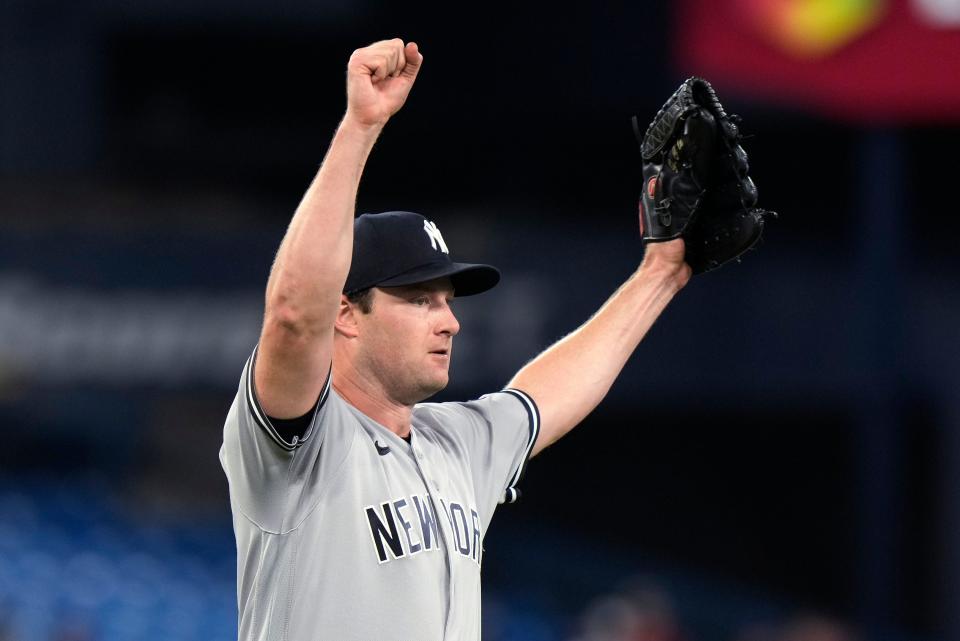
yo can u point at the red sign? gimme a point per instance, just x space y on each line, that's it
875 60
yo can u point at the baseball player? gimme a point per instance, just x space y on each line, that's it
359 510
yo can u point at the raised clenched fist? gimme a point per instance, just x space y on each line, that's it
379 78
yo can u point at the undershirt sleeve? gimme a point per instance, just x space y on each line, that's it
288 428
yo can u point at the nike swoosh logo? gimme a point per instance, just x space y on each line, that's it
381 449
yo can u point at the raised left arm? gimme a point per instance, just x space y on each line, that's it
571 377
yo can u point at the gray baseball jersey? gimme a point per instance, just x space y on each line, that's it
351 532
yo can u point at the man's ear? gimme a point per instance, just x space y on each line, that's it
346 321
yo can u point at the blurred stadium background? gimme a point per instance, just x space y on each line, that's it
780 460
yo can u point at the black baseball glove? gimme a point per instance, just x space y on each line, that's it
695 179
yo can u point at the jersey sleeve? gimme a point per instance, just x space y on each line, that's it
498 432
270 476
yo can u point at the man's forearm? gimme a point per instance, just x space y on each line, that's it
314 257
571 377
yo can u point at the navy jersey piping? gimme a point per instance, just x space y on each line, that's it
511 494
253 403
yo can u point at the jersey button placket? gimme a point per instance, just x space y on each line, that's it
424 469
442 523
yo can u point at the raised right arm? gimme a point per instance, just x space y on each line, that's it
311 266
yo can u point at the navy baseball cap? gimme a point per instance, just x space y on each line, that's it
403 248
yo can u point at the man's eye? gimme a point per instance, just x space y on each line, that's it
423 300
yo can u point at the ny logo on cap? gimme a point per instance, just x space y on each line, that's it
435 237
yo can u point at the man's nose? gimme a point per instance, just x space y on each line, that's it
449 323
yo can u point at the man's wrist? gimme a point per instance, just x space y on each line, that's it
669 273
352 126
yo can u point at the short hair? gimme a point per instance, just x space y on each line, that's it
362 298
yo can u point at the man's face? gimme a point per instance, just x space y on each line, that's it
406 340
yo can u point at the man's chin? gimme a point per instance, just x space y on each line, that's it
430 388
426 389
439 385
